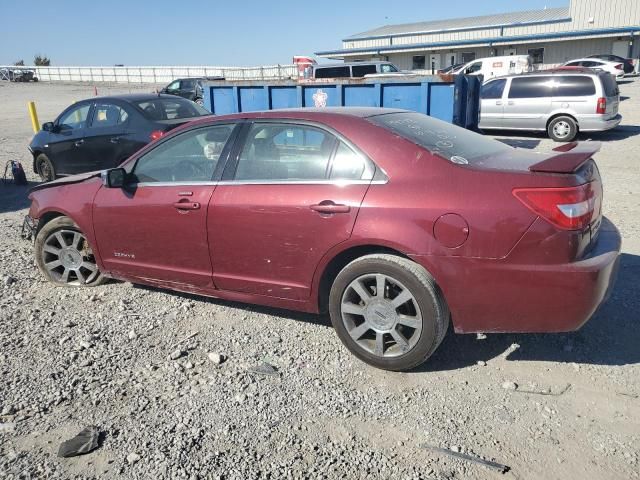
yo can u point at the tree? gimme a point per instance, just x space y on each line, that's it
41 61
19 63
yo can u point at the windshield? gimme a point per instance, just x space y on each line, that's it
170 108
444 139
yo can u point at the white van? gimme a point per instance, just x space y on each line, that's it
497 66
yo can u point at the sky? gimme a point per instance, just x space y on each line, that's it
216 33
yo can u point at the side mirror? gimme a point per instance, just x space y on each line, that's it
114 178
47 127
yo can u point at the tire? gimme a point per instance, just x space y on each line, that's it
199 101
373 330
45 168
61 241
562 129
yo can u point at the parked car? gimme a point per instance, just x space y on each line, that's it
451 69
355 70
560 102
392 221
496 66
189 88
18 75
614 68
627 62
102 132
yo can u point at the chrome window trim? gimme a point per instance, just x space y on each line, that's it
228 183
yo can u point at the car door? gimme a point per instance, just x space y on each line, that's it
187 88
492 104
107 135
528 102
154 229
65 146
289 194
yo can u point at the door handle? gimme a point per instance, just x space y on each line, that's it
499 102
186 205
78 143
114 139
329 207
511 102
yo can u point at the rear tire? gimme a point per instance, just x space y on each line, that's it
562 129
199 101
45 168
403 318
64 256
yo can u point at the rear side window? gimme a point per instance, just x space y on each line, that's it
574 86
362 70
493 90
610 85
108 115
455 144
531 87
170 109
333 72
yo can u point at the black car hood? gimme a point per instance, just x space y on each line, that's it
81 177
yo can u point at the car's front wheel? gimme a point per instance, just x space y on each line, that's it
64 256
45 168
388 311
199 101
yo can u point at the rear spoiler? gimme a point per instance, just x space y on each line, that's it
569 158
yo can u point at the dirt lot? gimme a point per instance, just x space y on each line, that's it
73 358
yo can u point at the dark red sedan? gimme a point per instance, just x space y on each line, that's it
394 222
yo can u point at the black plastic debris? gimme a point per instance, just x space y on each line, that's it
84 442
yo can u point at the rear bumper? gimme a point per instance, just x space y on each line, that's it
499 296
598 124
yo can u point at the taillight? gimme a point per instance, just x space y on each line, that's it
156 134
602 105
568 208
619 66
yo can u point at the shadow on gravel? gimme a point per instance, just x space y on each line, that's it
611 337
320 320
621 132
14 197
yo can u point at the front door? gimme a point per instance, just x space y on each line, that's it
67 149
155 229
293 192
492 104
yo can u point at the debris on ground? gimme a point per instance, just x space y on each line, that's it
84 442
469 458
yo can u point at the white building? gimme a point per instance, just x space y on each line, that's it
551 36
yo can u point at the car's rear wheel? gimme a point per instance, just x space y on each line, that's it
562 129
199 101
64 256
45 168
388 311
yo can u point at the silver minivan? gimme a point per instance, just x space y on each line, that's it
562 101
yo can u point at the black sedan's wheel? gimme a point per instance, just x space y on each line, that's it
64 256
562 129
388 311
45 168
199 101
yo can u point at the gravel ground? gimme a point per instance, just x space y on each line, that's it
136 363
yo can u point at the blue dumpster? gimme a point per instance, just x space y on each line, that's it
425 94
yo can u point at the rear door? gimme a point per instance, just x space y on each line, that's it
155 229
290 193
107 135
492 104
528 102
67 148
611 92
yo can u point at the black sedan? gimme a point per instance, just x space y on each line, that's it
102 132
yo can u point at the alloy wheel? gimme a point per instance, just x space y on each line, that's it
561 129
68 258
381 315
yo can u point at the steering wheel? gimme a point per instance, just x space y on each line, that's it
190 170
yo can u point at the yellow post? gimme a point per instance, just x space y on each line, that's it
34 117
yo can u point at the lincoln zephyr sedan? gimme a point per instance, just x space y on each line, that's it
393 222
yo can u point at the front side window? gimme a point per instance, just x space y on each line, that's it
493 90
174 85
189 157
285 152
108 115
75 118
388 68
474 67
531 87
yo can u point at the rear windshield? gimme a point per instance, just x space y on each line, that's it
444 139
170 108
610 85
